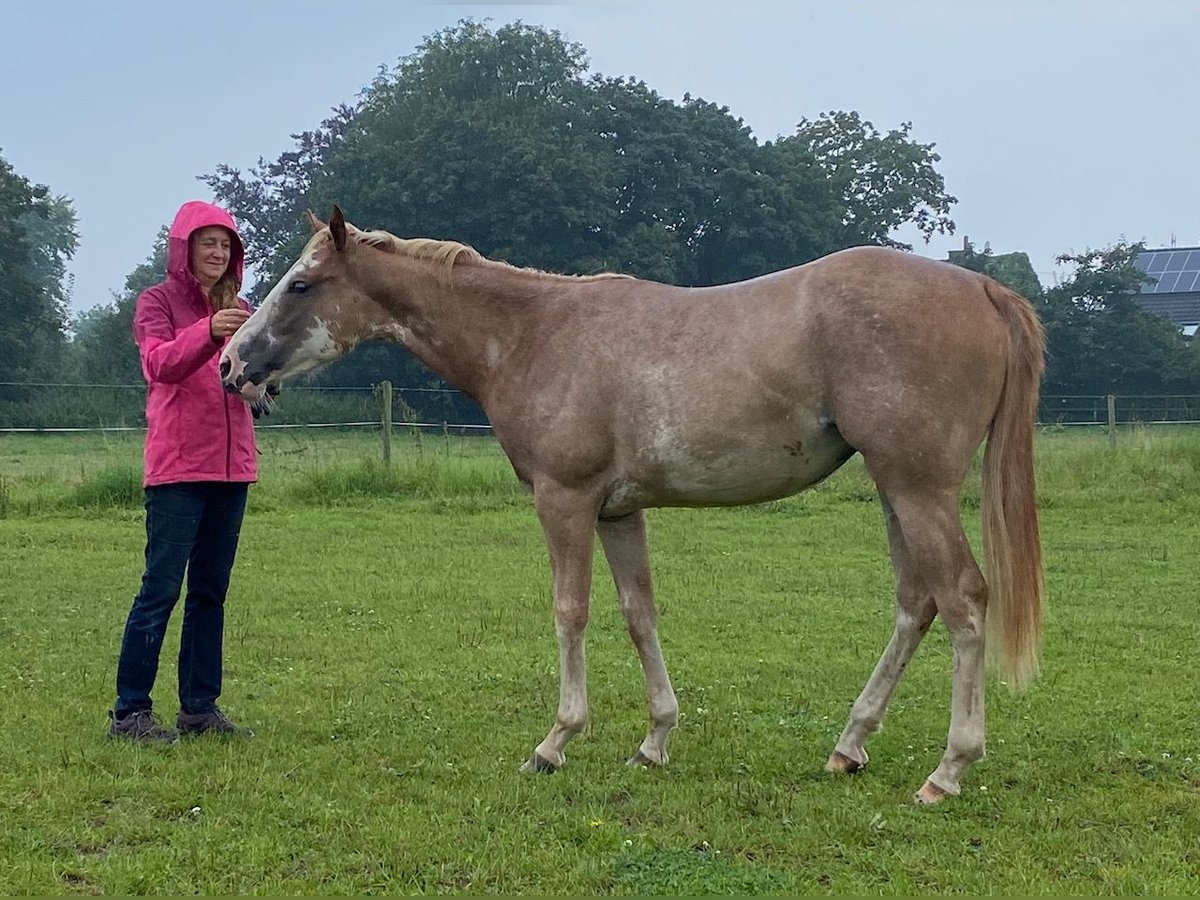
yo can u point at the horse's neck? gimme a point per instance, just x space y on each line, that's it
464 323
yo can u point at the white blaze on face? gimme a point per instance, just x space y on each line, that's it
261 321
266 310
299 268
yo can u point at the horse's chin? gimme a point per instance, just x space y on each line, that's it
252 393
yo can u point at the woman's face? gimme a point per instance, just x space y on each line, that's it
210 249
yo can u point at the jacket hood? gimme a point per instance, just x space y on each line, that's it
193 215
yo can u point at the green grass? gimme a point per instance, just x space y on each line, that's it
389 637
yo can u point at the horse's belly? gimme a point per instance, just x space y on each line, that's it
729 472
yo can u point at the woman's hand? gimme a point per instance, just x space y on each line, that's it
225 322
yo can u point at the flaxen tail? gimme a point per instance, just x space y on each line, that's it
1011 542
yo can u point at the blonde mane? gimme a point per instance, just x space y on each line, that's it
443 254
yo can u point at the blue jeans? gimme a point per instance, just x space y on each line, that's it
190 527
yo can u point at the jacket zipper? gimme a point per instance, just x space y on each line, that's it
228 439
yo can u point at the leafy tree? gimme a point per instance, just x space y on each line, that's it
37 237
697 200
481 137
1100 341
103 348
1011 269
500 139
270 202
884 180
52 232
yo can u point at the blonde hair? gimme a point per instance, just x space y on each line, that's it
224 294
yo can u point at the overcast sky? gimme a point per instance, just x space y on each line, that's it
1062 126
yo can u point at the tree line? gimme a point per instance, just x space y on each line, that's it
500 138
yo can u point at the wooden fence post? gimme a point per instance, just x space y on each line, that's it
385 389
1112 420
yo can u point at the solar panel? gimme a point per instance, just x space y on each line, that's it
1176 271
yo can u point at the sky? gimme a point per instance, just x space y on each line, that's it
1062 125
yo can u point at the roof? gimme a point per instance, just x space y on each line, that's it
1175 294
1176 268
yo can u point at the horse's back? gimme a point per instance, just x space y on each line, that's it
749 391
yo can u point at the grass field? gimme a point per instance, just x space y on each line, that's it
389 637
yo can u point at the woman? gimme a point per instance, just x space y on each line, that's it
200 458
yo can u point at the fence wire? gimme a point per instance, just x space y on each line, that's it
68 408
82 408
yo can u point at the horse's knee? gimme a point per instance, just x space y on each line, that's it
570 620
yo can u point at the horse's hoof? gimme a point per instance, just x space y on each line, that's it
538 763
930 793
841 764
641 760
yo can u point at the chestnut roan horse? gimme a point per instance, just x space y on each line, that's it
610 394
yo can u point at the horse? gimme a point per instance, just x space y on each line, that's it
610 394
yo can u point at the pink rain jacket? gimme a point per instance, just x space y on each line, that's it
195 431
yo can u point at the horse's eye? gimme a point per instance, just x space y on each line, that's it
297 287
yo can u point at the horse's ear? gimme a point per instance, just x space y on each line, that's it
337 228
313 222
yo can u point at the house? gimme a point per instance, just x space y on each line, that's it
1175 292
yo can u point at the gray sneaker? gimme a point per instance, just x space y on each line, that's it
215 722
143 727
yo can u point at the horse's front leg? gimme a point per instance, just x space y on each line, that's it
624 542
569 520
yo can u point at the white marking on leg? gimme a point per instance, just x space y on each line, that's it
569 522
866 716
967 741
625 547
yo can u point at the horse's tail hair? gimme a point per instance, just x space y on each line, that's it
1011 542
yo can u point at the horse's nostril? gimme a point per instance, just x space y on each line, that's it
226 365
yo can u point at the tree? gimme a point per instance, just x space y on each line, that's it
270 203
103 347
497 138
1100 341
1014 270
37 237
500 139
697 200
481 137
884 180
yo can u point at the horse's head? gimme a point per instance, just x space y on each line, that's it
315 314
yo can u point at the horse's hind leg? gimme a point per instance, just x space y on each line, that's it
963 610
938 566
915 611
624 542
